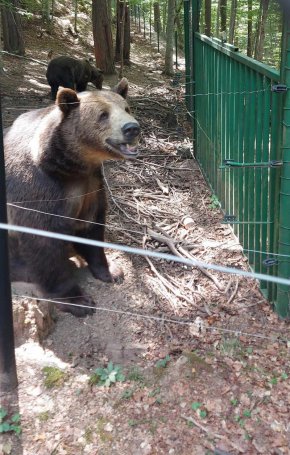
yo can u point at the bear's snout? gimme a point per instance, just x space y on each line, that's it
130 131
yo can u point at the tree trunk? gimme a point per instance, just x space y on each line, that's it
260 37
157 22
109 7
207 17
76 16
232 21
103 41
164 17
169 38
217 25
45 10
11 29
250 29
223 15
123 33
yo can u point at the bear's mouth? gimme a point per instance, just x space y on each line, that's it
125 149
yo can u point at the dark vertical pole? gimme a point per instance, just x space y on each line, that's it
187 47
8 375
150 22
158 26
144 23
176 50
139 17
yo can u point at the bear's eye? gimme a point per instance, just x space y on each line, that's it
127 109
103 116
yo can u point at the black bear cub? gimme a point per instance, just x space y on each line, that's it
72 73
54 182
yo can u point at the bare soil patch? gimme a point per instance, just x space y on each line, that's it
224 388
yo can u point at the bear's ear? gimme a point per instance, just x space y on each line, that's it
67 100
122 88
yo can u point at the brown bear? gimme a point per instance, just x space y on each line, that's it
54 182
72 73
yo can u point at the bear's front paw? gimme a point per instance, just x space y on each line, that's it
81 311
109 274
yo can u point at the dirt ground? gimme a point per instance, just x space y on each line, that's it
214 380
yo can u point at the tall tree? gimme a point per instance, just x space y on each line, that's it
207 17
157 21
250 29
260 34
11 28
122 50
234 5
103 39
223 15
169 37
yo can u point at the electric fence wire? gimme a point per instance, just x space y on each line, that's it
276 338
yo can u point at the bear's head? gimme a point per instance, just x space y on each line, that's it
98 124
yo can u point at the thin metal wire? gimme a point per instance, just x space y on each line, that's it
155 318
146 253
73 219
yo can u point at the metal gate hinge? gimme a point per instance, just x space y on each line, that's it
279 88
229 218
231 163
270 262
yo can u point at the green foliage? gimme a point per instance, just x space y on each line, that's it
247 413
196 405
273 27
162 363
135 375
199 409
234 402
214 202
273 381
127 394
107 376
54 377
9 424
154 392
230 347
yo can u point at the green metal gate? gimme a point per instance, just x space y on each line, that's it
236 107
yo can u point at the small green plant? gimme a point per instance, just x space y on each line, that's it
234 402
230 347
127 394
196 406
9 424
247 413
54 377
107 376
162 363
240 420
202 413
284 376
214 202
135 375
44 416
154 392
273 381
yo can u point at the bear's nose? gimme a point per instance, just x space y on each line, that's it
131 130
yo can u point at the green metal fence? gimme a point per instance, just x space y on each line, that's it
236 106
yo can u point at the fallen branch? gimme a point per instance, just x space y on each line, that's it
24 57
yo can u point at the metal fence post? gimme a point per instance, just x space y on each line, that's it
187 37
283 292
195 11
8 375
